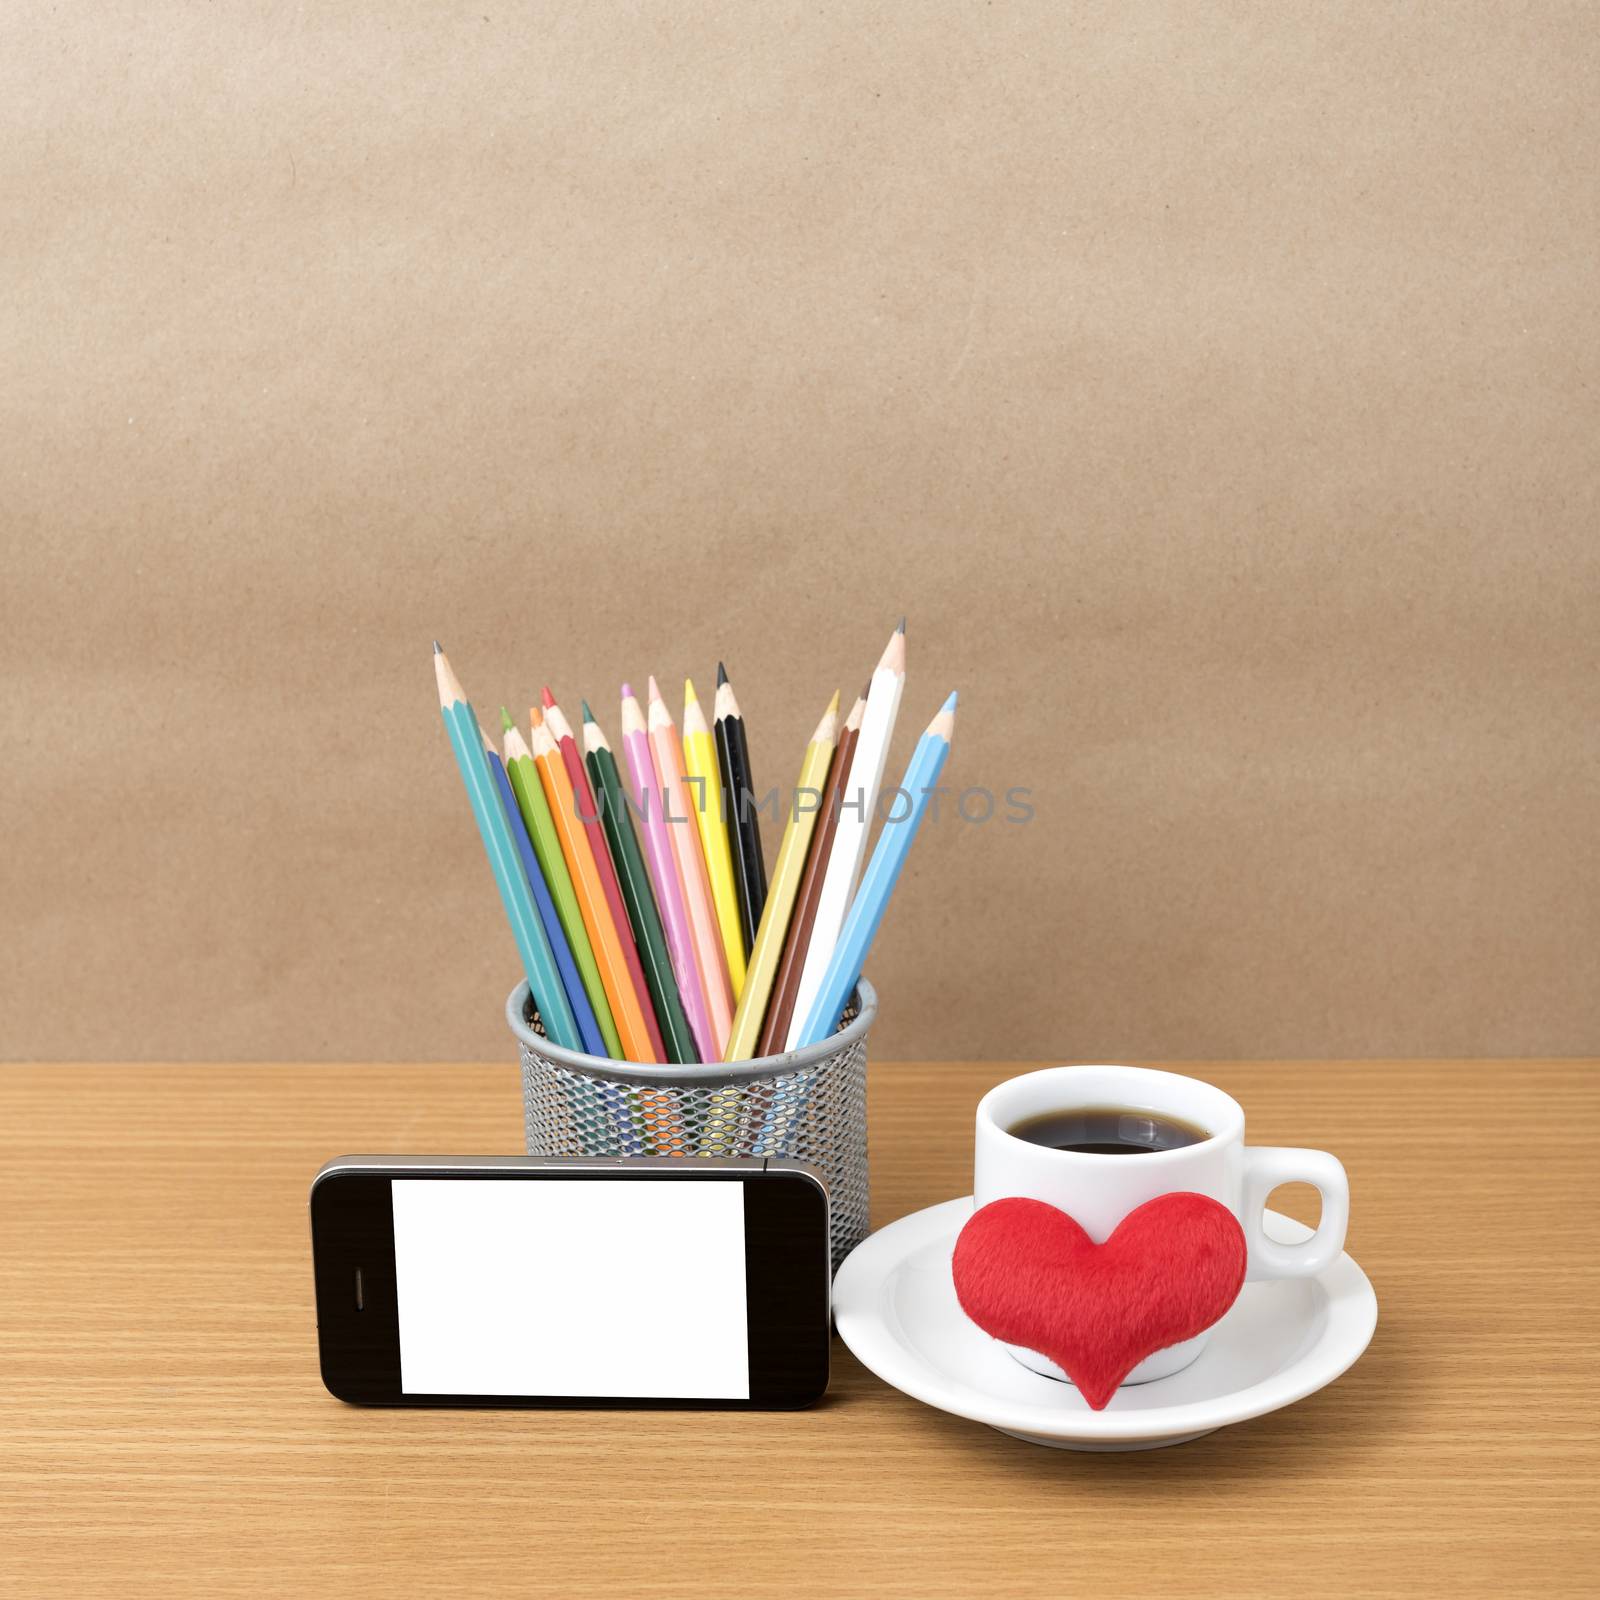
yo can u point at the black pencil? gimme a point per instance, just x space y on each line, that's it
744 827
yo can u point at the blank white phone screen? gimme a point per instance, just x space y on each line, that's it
561 1286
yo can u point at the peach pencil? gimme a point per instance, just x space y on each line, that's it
689 853
647 797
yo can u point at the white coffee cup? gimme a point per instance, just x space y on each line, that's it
1098 1191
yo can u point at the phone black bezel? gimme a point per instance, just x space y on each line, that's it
786 1285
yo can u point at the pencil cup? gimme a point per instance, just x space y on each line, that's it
809 1105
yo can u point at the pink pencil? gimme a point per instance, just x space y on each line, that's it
664 875
684 832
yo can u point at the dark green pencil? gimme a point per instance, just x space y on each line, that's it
637 895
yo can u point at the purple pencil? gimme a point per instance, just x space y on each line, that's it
664 874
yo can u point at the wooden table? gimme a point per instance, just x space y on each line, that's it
163 1430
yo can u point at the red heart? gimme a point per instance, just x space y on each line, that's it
1029 1275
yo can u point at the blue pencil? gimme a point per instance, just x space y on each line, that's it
577 998
895 839
538 961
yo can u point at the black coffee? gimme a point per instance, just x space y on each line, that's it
1108 1131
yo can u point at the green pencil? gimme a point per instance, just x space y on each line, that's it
535 809
637 895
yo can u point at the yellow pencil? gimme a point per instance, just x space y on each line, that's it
767 950
705 794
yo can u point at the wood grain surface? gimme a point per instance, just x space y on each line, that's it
163 1430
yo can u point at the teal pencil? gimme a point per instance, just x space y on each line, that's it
538 961
895 839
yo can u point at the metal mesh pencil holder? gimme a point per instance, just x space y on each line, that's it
808 1105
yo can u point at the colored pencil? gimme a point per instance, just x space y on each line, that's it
538 960
786 873
647 799
744 827
588 813
705 781
684 833
895 839
612 1102
637 895
603 937
571 982
786 986
857 805
529 790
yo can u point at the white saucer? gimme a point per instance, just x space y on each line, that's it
895 1306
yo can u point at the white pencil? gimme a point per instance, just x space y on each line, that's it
856 806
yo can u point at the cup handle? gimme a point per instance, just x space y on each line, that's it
1265 1167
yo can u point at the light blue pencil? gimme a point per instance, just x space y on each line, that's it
895 839
538 961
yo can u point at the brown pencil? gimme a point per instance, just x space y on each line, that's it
786 986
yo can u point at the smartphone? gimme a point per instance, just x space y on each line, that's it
564 1281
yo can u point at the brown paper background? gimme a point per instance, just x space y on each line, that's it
1213 384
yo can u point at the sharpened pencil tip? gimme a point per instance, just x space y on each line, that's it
655 691
627 691
902 627
588 715
535 717
690 698
506 724
548 698
438 649
722 673
949 704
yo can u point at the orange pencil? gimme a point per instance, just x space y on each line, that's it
603 936
689 854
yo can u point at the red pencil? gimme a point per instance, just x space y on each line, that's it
589 816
